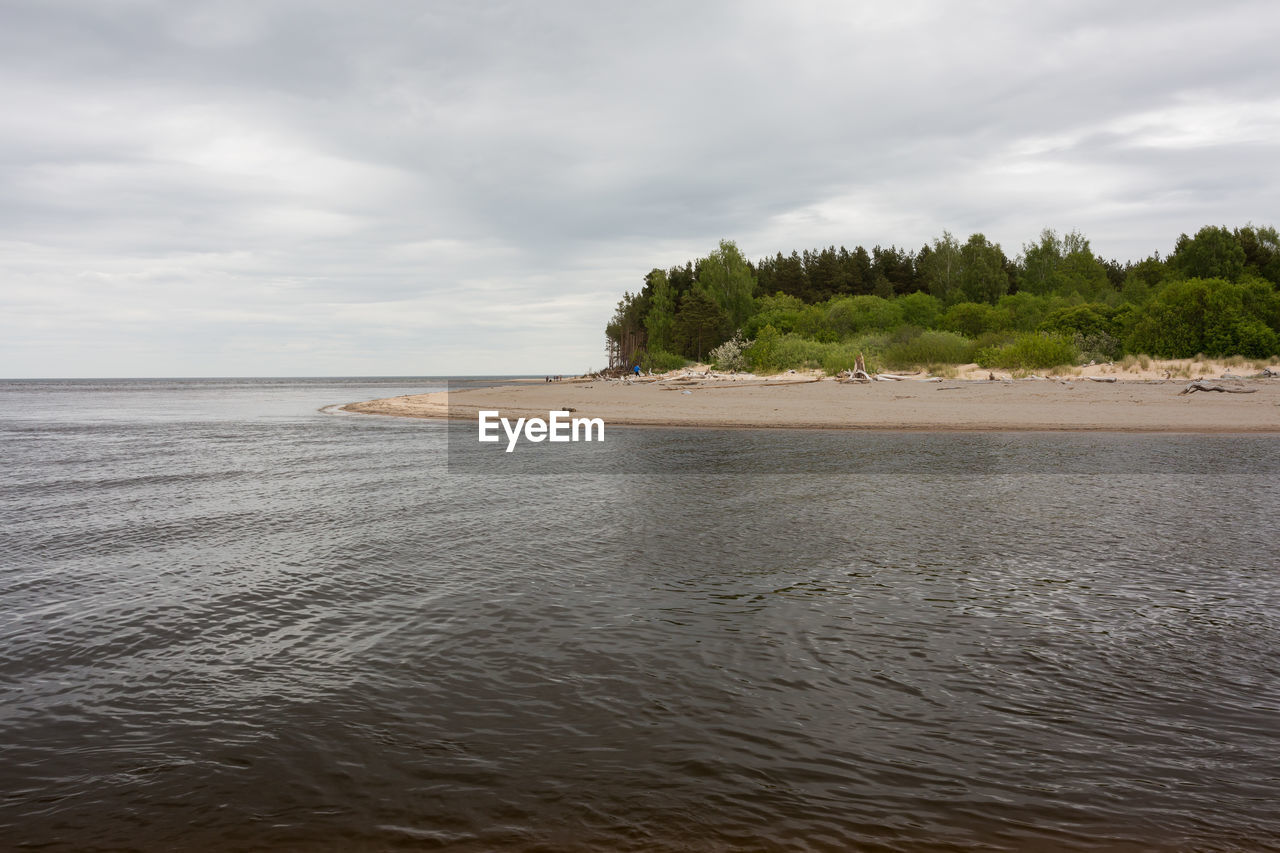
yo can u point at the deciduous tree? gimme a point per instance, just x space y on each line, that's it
660 322
1213 253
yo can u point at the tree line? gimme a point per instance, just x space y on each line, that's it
1217 293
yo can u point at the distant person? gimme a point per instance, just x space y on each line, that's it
637 369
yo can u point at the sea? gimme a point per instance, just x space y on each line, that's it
233 617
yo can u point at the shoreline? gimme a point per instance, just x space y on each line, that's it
796 401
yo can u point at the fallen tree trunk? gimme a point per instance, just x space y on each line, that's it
1101 378
1203 385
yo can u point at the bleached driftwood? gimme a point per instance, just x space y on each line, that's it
859 372
1101 378
1205 385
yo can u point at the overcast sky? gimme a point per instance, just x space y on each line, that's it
281 187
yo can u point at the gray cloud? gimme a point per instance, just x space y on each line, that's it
306 187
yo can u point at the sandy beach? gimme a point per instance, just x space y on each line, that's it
1130 403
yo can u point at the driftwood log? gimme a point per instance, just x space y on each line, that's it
1101 378
859 372
1203 385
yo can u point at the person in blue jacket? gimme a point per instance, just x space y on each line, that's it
636 369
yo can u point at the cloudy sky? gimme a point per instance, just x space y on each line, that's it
301 187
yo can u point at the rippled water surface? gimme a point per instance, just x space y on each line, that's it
234 620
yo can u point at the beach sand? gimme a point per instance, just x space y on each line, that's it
807 400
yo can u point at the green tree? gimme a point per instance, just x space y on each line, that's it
941 271
1080 271
982 274
1143 278
857 269
725 276
660 322
701 323
1040 264
1213 253
782 274
1261 251
894 266
1062 265
625 333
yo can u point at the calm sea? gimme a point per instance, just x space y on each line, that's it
233 619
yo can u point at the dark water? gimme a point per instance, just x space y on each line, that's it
233 621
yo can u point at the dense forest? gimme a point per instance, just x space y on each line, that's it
1055 303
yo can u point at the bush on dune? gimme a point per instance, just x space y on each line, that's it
773 352
1030 351
929 348
660 361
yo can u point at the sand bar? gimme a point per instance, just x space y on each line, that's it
808 401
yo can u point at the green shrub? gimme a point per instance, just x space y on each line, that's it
1030 351
1211 316
974 318
773 352
929 348
839 359
1098 330
843 356
991 340
798 353
920 309
1246 336
660 361
1024 310
848 315
762 355
787 314
903 334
